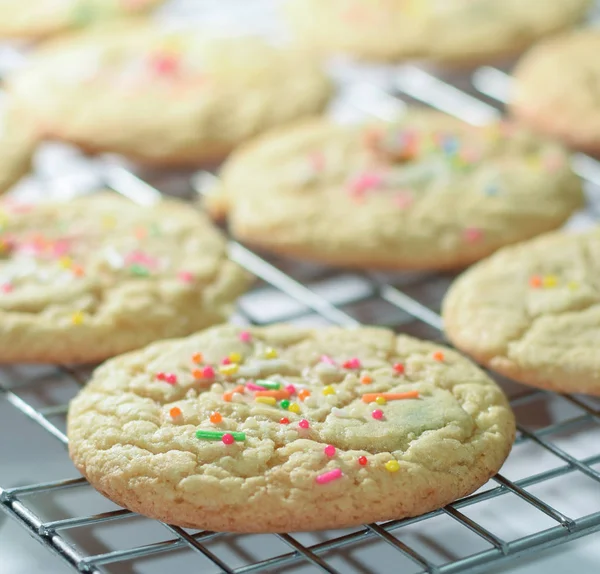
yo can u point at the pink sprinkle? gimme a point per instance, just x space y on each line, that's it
140 258
171 378
291 389
226 361
329 450
364 182
161 376
208 373
253 387
60 248
227 438
403 199
329 476
353 363
245 336
185 276
6 288
377 414
472 234
327 359
303 424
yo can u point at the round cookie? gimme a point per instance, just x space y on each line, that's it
100 275
426 192
555 89
532 312
451 31
36 19
281 428
168 98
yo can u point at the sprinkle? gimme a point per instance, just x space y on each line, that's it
235 357
364 182
140 232
362 460
208 373
284 404
573 285
329 450
164 64
438 356
294 408
278 395
77 318
327 359
161 376
352 364
227 438
392 466
245 336
535 281
366 380
550 281
303 394
328 390
218 435
229 369
197 358
65 262
372 397
185 276
198 373
399 368
472 234
216 418
377 414
329 476
381 400
266 400
170 378
139 270
290 389
284 421
271 353
77 270
6 288
253 387
175 412
229 395
226 361
303 424
266 384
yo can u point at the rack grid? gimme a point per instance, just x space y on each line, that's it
407 302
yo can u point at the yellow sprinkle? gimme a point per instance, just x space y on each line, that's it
270 353
329 390
381 400
549 281
266 400
573 285
235 357
228 369
77 318
65 262
392 466
108 221
294 408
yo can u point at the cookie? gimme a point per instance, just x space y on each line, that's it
425 192
452 31
555 89
37 19
281 428
532 312
100 275
169 98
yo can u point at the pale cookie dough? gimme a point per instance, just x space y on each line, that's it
100 275
318 457
36 19
170 98
443 30
532 312
426 192
555 89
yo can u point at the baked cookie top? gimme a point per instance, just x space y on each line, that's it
427 191
561 75
532 312
451 30
40 18
85 280
166 96
283 428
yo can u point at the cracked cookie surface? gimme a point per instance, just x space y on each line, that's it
327 428
424 192
100 275
532 312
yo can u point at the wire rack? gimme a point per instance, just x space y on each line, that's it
514 515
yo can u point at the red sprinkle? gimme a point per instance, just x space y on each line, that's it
303 424
228 438
352 364
329 450
362 460
284 421
399 368
472 234
171 378
161 376
208 373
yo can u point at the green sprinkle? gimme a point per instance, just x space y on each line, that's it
155 230
218 435
139 270
269 384
284 404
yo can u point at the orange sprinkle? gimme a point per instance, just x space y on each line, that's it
229 395
366 380
535 281
198 374
438 356
197 358
279 395
175 412
303 394
141 232
216 418
372 397
77 270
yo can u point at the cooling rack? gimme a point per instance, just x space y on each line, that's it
545 495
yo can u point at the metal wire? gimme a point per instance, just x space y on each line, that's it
433 91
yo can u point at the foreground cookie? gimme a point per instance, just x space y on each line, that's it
532 312
88 279
452 30
428 192
555 89
17 144
165 98
282 428
40 18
